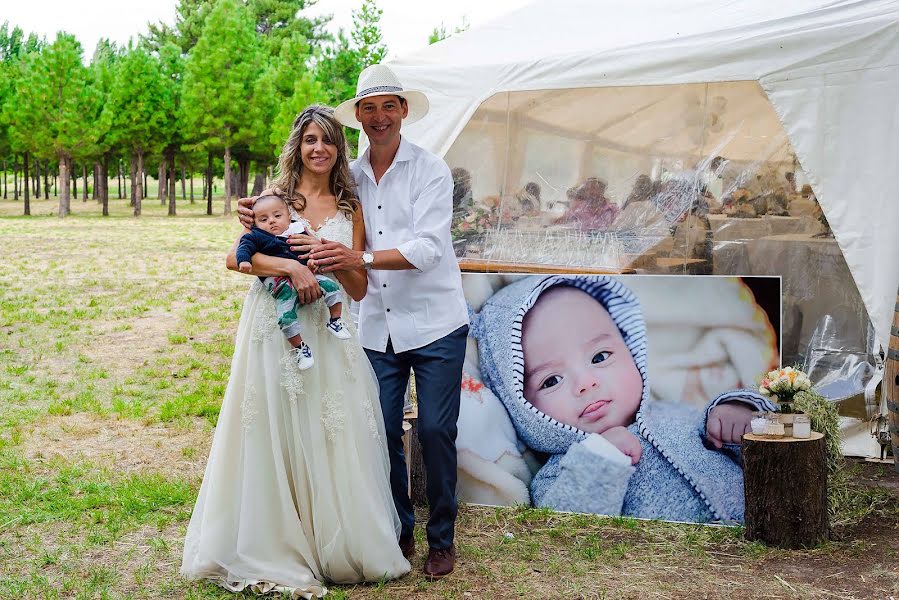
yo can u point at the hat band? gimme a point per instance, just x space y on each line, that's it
379 89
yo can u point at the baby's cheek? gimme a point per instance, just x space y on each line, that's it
543 405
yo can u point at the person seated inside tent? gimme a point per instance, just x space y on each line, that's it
790 178
638 211
726 185
462 198
740 203
529 199
775 192
591 210
693 233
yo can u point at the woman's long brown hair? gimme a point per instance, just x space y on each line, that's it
290 163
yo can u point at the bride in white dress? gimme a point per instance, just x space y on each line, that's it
296 490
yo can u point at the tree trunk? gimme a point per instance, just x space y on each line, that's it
84 181
209 184
163 182
103 168
47 181
64 184
26 182
4 179
785 487
95 195
191 186
73 181
132 175
183 190
227 180
15 177
56 184
171 183
119 176
244 178
146 188
258 184
141 182
37 179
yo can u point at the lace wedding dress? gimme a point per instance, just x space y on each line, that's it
296 490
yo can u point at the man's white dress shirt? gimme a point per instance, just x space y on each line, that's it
410 209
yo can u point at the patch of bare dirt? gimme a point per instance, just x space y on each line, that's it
118 349
121 445
865 563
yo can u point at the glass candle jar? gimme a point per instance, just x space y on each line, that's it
802 426
773 426
758 423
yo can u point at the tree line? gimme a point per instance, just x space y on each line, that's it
213 95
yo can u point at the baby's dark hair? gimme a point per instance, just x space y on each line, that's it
267 197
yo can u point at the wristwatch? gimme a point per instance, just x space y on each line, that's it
368 259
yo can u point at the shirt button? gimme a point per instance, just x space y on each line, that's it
379 207
383 285
380 233
388 310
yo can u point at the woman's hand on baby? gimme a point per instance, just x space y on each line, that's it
625 441
727 423
334 256
245 211
303 243
245 267
304 282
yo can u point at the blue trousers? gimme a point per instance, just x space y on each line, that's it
438 386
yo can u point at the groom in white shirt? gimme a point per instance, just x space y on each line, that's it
414 315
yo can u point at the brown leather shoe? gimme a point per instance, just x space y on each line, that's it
440 563
407 545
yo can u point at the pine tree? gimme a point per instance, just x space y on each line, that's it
138 108
103 68
219 81
338 66
367 38
55 104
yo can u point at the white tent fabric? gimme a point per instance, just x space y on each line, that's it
829 69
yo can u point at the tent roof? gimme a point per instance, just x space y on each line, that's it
830 70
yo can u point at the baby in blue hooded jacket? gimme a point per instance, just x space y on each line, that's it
567 357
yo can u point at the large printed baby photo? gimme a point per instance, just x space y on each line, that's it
614 395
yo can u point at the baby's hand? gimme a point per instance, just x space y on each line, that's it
625 441
245 267
727 423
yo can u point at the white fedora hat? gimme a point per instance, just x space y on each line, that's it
379 80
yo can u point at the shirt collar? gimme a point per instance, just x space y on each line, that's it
403 154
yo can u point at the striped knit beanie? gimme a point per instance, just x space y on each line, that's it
498 330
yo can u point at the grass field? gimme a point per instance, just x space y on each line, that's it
115 341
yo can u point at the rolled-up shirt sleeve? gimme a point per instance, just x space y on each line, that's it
432 213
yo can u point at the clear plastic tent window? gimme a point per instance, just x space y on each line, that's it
690 178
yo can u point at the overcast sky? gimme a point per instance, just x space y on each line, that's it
406 24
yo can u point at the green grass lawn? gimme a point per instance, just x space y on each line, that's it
115 342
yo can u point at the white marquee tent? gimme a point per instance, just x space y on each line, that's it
828 73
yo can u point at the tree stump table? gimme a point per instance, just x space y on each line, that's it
785 488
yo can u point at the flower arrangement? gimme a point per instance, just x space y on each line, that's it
478 221
783 385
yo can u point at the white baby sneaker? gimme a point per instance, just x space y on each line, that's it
304 357
338 329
